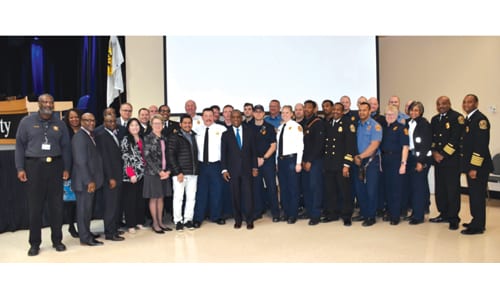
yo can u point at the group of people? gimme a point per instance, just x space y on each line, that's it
213 167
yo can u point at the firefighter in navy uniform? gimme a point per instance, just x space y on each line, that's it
447 127
476 162
338 157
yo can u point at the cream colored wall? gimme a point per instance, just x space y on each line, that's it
144 57
424 68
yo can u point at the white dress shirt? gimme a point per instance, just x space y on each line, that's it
214 141
293 139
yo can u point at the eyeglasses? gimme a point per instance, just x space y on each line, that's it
127 110
89 120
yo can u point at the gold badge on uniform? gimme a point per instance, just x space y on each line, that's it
467 129
369 127
217 133
352 128
198 122
340 129
299 128
377 127
447 125
353 118
56 128
48 159
406 131
395 128
483 124
460 120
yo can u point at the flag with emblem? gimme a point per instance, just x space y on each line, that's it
115 61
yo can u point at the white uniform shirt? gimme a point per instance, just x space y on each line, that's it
214 141
293 139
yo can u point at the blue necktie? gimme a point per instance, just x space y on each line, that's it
238 138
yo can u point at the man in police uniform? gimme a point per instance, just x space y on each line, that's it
43 160
312 162
339 149
366 176
476 162
289 160
447 127
265 138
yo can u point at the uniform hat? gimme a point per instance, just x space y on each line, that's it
258 107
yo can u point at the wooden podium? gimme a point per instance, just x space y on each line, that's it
12 112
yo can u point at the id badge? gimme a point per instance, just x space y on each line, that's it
46 146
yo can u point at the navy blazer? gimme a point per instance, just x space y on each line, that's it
422 140
238 162
87 163
111 155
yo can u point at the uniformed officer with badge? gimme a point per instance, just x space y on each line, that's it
476 162
338 158
43 160
289 163
447 127
367 161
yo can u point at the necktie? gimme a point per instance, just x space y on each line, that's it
280 148
441 117
115 137
91 134
238 137
205 147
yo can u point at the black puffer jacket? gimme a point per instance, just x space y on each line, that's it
182 157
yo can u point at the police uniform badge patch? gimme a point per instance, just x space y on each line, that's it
378 127
461 120
483 124
395 128
352 128
299 128
340 129
56 128
353 118
263 130
406 131
447 125
198 122
467 129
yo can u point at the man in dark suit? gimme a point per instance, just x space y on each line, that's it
447 127
87 176
476 162
169 126
109 148
144 117
239 164
119 131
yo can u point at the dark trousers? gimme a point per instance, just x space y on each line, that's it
133 203
367 190
242 198
112 199
84 207
417 188
313 189
289 186
447 191
392 184
44 184
477 199
267 197
69 213
209 192
338 199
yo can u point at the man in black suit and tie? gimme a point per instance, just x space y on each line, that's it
169 126
87 176
239 164
144 117
119 131
109 148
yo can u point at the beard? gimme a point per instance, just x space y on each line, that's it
46 111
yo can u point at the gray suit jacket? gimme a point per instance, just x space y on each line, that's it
87 163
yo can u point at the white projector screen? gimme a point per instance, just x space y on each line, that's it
234 70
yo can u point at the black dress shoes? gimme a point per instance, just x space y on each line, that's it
250 226
291 220
120 232
33 251
221 221
283 218
73 232
358 218
158 231
313 222
93 242
95 235
196 224
347 222
407 218
470 231
415 222
466 225
59 247
237 225
438 219
453 226
329 219
368 222
276 220
394 222
115 238
166 228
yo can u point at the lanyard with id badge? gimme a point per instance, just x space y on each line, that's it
46 144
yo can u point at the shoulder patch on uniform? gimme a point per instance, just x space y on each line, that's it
405 131
298 127
352 128
461 119
483 124
378 127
